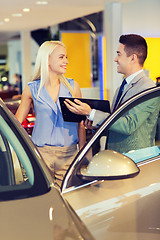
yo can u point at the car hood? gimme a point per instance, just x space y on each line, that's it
41 217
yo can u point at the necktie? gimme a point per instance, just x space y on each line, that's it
119 93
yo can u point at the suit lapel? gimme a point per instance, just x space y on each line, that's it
128 88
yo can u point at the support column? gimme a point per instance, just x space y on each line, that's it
26 57
112 32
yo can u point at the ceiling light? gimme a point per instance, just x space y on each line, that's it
17 15
4 79
26 10
6 19
41 2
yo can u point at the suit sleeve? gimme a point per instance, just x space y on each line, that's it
135 117
99 117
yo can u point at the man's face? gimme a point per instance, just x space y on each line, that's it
123 62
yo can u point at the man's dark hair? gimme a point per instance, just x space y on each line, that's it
135 44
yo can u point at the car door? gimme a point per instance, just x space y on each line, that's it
114 182
31 206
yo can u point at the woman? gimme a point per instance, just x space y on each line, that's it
56 140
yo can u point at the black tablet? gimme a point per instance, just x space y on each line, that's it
68 116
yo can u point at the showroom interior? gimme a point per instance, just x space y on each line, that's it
90 32
65 179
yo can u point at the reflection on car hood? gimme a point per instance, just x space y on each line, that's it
42 217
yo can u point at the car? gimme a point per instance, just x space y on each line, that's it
115 193
31 204
5 94
29 122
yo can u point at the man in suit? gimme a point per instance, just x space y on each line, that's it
131 55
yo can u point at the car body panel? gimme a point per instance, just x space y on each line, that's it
43 217
125 208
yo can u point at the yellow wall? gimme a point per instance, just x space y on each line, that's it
152 62
79 57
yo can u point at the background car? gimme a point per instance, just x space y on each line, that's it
31 204
28 123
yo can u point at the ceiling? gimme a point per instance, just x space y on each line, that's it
43 15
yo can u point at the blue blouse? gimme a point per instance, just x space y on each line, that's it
50 128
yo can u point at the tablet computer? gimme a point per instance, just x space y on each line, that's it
68 116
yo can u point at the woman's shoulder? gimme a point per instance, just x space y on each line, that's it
70 80
34 84
77 90
75 86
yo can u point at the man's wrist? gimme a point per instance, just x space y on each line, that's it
91 115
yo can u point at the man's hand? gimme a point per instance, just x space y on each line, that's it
88 124
78 107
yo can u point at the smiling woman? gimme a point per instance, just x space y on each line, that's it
56 140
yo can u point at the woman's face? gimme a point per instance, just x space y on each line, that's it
58 60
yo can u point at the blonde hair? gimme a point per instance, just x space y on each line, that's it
41 69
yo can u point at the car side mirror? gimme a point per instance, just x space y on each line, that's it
109 164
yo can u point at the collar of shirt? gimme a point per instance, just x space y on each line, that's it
131 77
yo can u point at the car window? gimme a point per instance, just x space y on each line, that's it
133 132
14 157
20 175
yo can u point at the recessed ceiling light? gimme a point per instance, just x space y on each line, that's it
4 79
6 19
17 15
41 2
26 10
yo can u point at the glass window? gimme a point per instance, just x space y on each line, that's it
135 132
20 173
15 163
